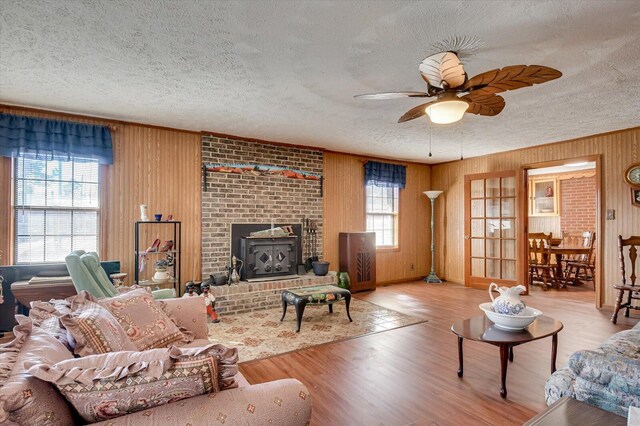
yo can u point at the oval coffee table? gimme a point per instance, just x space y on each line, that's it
481 329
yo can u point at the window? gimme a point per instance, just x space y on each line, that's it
57 208
382 214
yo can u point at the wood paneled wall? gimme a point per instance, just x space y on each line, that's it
344 211
152 165
618 150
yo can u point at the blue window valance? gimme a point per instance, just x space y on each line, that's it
22 136
385 175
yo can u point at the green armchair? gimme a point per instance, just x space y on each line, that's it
87 274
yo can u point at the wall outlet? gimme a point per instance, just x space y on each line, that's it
411 267
611 214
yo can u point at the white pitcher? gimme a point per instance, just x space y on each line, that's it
508 303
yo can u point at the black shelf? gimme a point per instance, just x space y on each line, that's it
177 246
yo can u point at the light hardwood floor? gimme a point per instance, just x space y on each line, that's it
407 376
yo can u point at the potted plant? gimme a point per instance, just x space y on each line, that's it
161 274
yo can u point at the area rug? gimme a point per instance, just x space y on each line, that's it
260 334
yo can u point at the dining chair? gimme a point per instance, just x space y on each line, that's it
572 239
628 286
583 262
540 259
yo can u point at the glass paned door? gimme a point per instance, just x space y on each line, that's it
490 228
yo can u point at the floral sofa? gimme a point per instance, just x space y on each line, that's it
44 382
607 377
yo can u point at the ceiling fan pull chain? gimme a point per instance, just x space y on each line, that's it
430 128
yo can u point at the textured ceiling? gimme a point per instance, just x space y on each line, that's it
287 71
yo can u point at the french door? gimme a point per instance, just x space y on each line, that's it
491 233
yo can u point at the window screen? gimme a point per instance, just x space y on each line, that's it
382 214
57 208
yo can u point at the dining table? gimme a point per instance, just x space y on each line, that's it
561 250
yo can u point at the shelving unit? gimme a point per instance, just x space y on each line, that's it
544 197
154 255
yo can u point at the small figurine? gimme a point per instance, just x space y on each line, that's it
209 302
191 289
549 192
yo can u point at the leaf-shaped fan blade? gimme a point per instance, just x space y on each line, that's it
443 67
511 78
414 113
393 95
483 103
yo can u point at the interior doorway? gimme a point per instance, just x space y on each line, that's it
563 223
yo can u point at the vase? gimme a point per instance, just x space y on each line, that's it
144 213
509 302
343 280
161 276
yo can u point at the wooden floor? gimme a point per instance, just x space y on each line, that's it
407 376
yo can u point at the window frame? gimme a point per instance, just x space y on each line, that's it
16 208
396 220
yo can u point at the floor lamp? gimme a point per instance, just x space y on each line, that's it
432 277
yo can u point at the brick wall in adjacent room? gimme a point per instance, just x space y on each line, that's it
231 198
578 211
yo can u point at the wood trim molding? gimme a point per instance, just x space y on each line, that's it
567 175
400 281
541 146
600 213
112 123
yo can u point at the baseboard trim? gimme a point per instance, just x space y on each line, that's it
400 281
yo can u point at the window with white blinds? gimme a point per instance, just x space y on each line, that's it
57 208
382 214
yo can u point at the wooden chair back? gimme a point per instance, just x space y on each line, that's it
631 244
591 243
573 238
540 248
584 239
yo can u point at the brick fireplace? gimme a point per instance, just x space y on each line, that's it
230 198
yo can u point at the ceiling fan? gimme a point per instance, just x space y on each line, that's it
456 94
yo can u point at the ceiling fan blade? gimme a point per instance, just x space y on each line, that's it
511 78
484 104
443 69
414 112
393 95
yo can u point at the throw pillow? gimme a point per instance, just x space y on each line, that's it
46 315
93 328
26 400
144 321
9 351
102 387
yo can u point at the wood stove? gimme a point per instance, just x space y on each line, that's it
270 257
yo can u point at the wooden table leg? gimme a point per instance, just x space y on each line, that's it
300 305
330 308
284 308
559 273
554 352
510 353
504 362
460 370
347 301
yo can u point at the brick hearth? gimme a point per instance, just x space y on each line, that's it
246 297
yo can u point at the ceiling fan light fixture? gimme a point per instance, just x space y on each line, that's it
447 110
